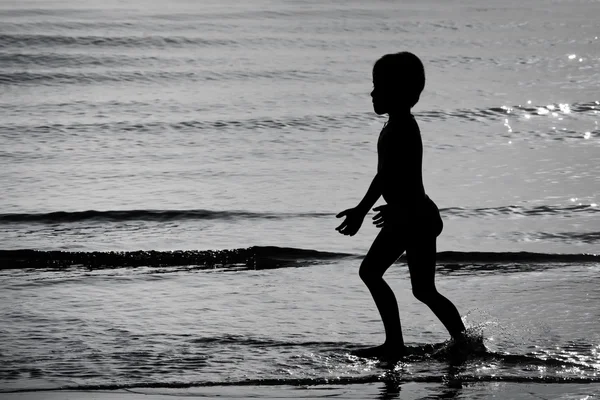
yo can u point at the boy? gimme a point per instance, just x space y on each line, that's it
410 221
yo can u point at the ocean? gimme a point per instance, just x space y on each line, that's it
171 172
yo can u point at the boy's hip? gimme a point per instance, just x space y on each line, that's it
436 225
424 220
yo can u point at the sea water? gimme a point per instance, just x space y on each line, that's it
171 175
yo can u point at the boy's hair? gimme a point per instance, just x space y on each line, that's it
403 71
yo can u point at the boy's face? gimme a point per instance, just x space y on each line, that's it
382 99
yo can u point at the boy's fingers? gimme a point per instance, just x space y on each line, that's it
379 208
340 215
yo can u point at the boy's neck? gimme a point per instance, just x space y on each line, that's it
399 114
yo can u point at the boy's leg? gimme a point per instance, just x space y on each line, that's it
384 251
421 264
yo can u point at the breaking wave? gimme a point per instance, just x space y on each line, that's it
59 217
267 257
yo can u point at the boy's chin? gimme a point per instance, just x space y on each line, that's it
379 110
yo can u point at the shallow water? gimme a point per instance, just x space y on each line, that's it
293 323
203 127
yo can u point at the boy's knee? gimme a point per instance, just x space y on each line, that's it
366 273
424 294
363 272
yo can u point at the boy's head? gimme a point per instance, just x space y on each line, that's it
398 80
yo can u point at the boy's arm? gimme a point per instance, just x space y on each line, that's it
371 196
355 216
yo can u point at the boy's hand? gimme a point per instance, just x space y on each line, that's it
352 223
385 216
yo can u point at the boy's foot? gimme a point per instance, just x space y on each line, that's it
383 351
469 342
462 347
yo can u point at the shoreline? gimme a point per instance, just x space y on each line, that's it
376 390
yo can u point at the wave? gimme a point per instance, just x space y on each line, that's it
342 352
69 61
300 382
507 367
577 237
507 114
476 114
242 340
111 75
269 257
27 41
272 124
168 42
513 257
522 211
305 122
258 257
474 348
63 217
146 215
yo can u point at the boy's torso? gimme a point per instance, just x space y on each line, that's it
399 160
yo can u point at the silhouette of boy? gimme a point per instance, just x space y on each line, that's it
410 221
